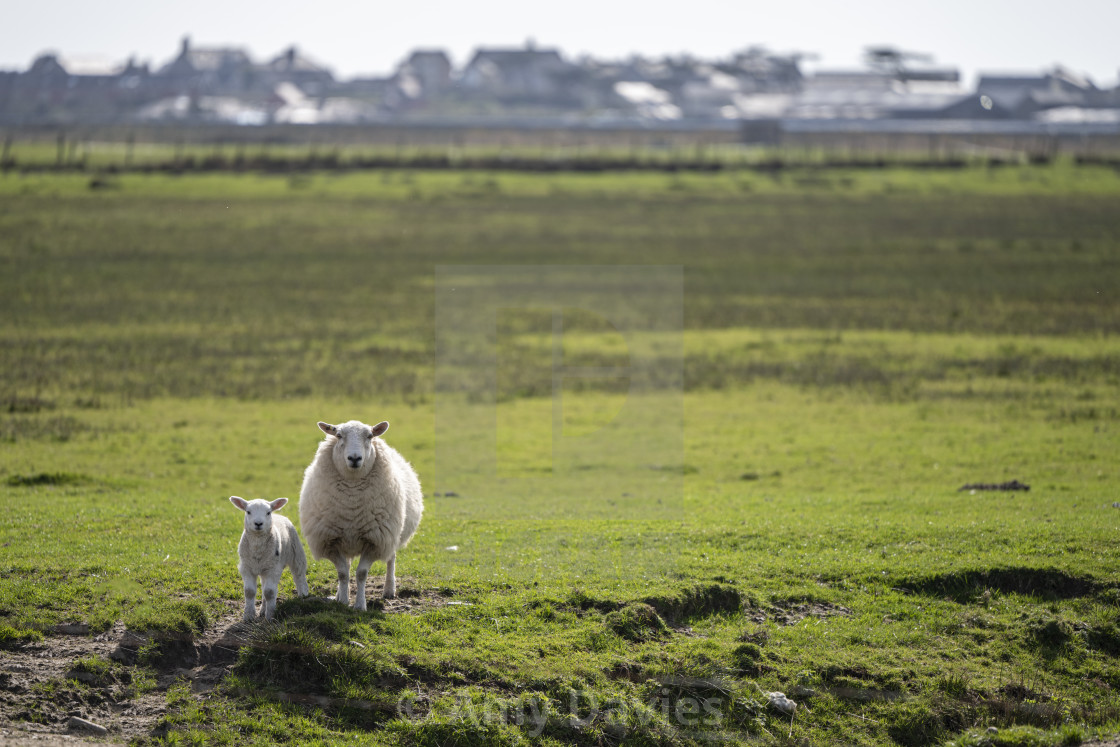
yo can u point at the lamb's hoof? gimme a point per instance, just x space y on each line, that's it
360 607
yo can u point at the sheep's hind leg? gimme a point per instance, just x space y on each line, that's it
390 591
362 572
299 573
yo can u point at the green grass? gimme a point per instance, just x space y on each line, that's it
856 348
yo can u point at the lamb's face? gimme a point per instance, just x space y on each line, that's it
353 451
258 513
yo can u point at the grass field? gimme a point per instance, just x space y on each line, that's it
331 149
855 347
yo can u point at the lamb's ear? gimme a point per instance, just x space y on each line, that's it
278 504
380 428
327 428
239 502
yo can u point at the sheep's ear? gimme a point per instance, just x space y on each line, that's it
327 428
278 504
239 502
380 428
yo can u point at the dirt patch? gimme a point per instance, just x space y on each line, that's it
43 685
12 737
410 599
791 612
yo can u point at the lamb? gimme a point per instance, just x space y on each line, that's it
268 545
360 497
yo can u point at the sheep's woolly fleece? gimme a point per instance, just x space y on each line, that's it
378 507
269 544
360 497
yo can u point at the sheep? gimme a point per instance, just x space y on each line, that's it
268 545
360 497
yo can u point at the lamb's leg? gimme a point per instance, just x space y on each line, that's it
299 573
250 596
342 563
390 577
362 572
270 584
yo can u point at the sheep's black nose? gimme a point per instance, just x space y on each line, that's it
259 524
354 460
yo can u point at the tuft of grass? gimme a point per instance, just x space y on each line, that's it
698 601
112 677
1050 632
294 657
47 478
97 666
1068 735
637 622
14 638
183 617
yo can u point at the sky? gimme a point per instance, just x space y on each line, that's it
372 38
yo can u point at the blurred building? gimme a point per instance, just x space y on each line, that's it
519 76
210 70
767 96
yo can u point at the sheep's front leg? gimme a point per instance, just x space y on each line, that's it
362 572
270 585
390 577
342 563
250 596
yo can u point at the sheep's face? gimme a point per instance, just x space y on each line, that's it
353 451
258 513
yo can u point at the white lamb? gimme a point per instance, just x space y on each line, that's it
268 545
360 497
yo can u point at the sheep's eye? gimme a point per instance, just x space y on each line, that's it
268 514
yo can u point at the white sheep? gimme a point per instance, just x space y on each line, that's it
268 545
360 497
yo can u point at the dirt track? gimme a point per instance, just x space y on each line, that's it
37 703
